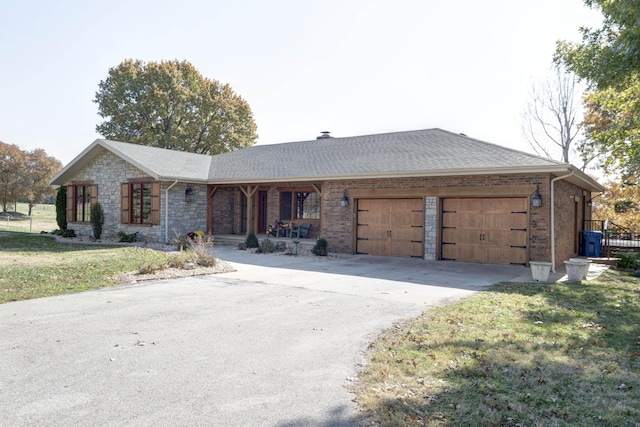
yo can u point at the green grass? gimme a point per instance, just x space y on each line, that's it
34 266
561 354
43 218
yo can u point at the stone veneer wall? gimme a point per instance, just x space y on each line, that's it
431 228
108 171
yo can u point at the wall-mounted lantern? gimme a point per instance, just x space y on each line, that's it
189 195
536 199
344 202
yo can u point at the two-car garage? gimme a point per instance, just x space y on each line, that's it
483 230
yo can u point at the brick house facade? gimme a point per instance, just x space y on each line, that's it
399 188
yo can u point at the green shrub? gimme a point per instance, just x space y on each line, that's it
252 240
320 248
69 232
97 219
627 260
127 238
267 246
61 207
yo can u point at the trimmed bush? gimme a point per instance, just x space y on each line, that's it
127 238
627 260
61 208
97 219
267 246
320 248
252 240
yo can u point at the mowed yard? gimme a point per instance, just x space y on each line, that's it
518 354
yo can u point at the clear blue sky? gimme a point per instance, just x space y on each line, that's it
352 67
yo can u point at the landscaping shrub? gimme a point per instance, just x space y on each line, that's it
252 240
68 232
627 260
267 246
199 246
61 208
127 238
97 219
320 248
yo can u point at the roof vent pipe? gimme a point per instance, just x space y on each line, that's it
325 134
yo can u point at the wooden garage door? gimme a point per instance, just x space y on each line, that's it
390 227
485 230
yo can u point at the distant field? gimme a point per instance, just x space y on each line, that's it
43 218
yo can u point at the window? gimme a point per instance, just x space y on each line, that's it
299 205
80 196
140 203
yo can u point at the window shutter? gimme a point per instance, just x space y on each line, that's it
94 194
71 198
155 203
124 203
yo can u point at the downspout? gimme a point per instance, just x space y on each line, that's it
553 221
166 211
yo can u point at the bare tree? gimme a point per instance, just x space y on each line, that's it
552 121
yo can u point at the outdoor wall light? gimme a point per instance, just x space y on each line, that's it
344 202
536 199
189 195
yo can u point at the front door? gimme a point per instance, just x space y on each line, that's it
262 211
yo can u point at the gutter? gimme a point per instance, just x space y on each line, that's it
166 211
553 220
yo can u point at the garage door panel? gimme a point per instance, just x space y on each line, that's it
371 247
463 205
505 221
455 235
460 252
404 249
371 232
373 217
407 233
505 238
462 220
390 227
485 230
405 218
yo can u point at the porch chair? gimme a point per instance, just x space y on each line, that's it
284 229
300 231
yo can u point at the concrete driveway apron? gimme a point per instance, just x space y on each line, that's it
275 343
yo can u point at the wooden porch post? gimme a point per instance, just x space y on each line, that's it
211 189
249 191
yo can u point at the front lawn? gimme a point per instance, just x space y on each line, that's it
33 266
520 354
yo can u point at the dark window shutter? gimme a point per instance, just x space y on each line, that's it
124 203
71 203
94 194
155 203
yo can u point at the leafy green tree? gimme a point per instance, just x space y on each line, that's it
608 59
11 172
609 55
38 168
169 104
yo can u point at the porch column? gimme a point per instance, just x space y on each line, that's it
211 189
249 191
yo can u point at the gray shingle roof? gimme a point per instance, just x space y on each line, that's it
421 152
429 152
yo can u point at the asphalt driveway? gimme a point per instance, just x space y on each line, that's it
274 344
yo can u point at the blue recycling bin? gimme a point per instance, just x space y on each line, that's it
591 243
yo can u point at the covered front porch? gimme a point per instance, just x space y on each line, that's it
236 239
